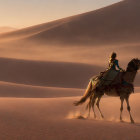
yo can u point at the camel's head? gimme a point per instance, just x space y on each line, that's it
133 65
137 63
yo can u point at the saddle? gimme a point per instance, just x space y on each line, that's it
107 78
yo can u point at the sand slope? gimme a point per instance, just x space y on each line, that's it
29 31
118 23
39 73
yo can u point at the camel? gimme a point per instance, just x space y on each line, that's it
122 89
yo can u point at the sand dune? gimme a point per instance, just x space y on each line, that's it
113 28
118 23
54 74
28 91
29 31
54 119
115 24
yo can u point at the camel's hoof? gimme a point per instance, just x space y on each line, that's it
80 117
132 121
102 116
121 121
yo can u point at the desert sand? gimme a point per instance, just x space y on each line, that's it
54 118
45 68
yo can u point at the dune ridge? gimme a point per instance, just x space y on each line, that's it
14 90
97 27
29 31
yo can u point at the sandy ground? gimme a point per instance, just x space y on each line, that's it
54 118
47 113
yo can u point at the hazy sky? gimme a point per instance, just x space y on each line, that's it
23 13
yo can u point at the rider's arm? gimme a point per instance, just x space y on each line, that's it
117 64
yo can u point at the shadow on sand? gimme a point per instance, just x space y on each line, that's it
80 117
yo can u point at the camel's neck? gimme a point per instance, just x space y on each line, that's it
130 76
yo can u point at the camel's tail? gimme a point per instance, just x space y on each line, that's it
86 95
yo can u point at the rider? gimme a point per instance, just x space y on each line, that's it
108 76
113 62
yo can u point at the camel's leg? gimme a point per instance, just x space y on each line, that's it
121 109
88 112
93 102
128 108
98 101
89 107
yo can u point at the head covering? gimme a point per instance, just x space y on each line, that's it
113 55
